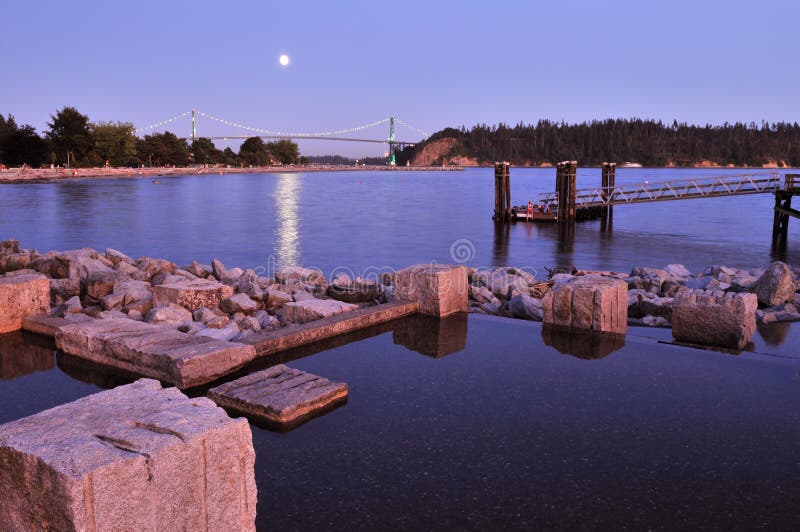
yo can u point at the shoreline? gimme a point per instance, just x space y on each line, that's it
52 175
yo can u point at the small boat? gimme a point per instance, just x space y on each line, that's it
519 214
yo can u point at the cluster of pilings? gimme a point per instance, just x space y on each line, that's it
783 212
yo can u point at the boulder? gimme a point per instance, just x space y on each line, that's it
138 457
63 289
677 270
79 263
22 296
225 334
130 270
701 317
265 320
481 294
526 307
169 315
14 261
9 247
198 270
249 323
778 313
132 290
277 298
71 306
217 322
297 273
98 284
314 309
153 267
591 302
439 290
237 303
113 301
655 321
776 285
191 294
117 256
360 292
641 304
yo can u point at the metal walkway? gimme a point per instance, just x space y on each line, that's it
645 192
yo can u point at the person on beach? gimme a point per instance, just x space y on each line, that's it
546 208
529 213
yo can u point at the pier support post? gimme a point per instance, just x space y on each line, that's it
608 178
502 192
566 172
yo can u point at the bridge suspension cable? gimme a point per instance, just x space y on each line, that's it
163 122
288 134
409 126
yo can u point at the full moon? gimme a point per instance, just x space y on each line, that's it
283 60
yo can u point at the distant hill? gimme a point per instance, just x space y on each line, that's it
648 142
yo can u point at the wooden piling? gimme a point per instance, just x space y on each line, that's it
783 212
502 192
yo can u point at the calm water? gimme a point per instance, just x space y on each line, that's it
480 423
359 220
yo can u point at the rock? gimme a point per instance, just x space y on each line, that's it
670 288
225 334
280 394
360 292
96 285
438 289
653 278
776 285
132 290
481 294
112 314
143 306
342 280
237 303
501 283
153 267
198 270
14 261
655 321
590 302
249 285
743 282
203 315
526 307
778 313
277 298
490 308
265 320
297 273
23 271
117 256
302 295
218 269
22 296
677 270
71 306
217 322
9 247
113 301
135 315
249 323
169 315
191 294
79 263
561 278
184 274
314 309
727 320
130 270
63 289
641 304
137 457
152 351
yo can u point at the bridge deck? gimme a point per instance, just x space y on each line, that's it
645 192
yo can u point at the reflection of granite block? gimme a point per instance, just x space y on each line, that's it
435 337
20 297
440 290
590 302
18 358
582 343
137 457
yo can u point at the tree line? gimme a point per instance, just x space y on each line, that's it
73 139
648 142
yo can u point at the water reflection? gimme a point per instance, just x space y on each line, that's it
19 356
432 337
287 194
582 344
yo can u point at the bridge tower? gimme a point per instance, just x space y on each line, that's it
194 125
392 160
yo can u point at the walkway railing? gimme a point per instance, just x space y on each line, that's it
703 187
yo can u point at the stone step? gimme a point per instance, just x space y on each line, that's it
152 351
138 457
280 394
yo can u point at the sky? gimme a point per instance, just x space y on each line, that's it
433 64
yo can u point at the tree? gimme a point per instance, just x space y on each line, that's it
115 143
20 145
284 151
229 157
204 152
163 149
69 132
254 152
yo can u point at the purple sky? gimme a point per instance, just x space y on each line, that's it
433 63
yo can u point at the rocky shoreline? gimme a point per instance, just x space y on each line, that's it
231 304
49 175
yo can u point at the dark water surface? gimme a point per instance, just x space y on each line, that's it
479 423
359 220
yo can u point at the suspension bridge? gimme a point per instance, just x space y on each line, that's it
391 140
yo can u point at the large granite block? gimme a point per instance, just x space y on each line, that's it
725 320
440 290
590 303
191 293
137 457
152 351
22 296
279 394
